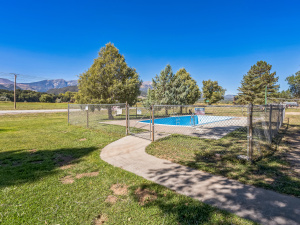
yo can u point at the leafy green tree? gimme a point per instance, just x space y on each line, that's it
294 83
109 80
212 91
186 90
253 85
46 98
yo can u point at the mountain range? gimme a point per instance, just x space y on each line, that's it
39 86
61 86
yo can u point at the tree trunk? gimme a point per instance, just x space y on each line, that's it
181 110
110 116
166 111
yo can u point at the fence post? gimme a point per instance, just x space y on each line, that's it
136 110
270 123
152 122
278 118
250 132
87 116
68 115
127 116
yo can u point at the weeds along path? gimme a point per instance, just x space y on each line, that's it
257 204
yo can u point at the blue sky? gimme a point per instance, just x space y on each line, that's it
217 40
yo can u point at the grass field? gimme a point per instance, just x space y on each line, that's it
220 157
51 173
32 105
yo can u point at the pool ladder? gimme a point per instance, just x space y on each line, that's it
192 118
177 119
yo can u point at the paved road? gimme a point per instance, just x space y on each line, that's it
2 112
257 204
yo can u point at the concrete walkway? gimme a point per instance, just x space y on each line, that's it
262 206
2 112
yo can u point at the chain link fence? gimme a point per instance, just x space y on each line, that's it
97 115
249 129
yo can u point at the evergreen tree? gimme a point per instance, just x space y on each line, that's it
109 80
162 86
294 83
285 94
253 85
173 89
178 89
212 91
150 100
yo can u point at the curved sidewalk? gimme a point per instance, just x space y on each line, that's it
260 205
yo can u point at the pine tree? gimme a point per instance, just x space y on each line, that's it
178 89
150 100
253 85
162 86
109 80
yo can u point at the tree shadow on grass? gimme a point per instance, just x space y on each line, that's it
184 210
269 169
23 166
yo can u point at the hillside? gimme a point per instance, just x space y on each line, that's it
63 90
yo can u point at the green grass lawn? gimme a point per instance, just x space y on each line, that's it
220 157
32 105
51 173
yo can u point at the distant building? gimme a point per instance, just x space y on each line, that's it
291 104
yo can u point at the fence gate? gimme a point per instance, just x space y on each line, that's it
139 122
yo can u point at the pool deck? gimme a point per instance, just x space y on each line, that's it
214 130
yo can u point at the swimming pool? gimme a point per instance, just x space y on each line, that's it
189 121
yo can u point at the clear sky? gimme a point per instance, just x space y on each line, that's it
217 40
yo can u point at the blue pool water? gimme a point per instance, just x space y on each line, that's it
188 120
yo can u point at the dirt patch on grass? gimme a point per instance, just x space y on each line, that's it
111 199
65 167
101 219
82 139
92 174
31 151
67 179
119 189
144 195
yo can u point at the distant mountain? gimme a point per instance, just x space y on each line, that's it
9 87
5 81
63 90
40 86
146 85
229 97
56 86
144 88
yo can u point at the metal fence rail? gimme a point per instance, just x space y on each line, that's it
248 129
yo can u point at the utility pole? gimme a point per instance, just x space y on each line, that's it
15 85
266 90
